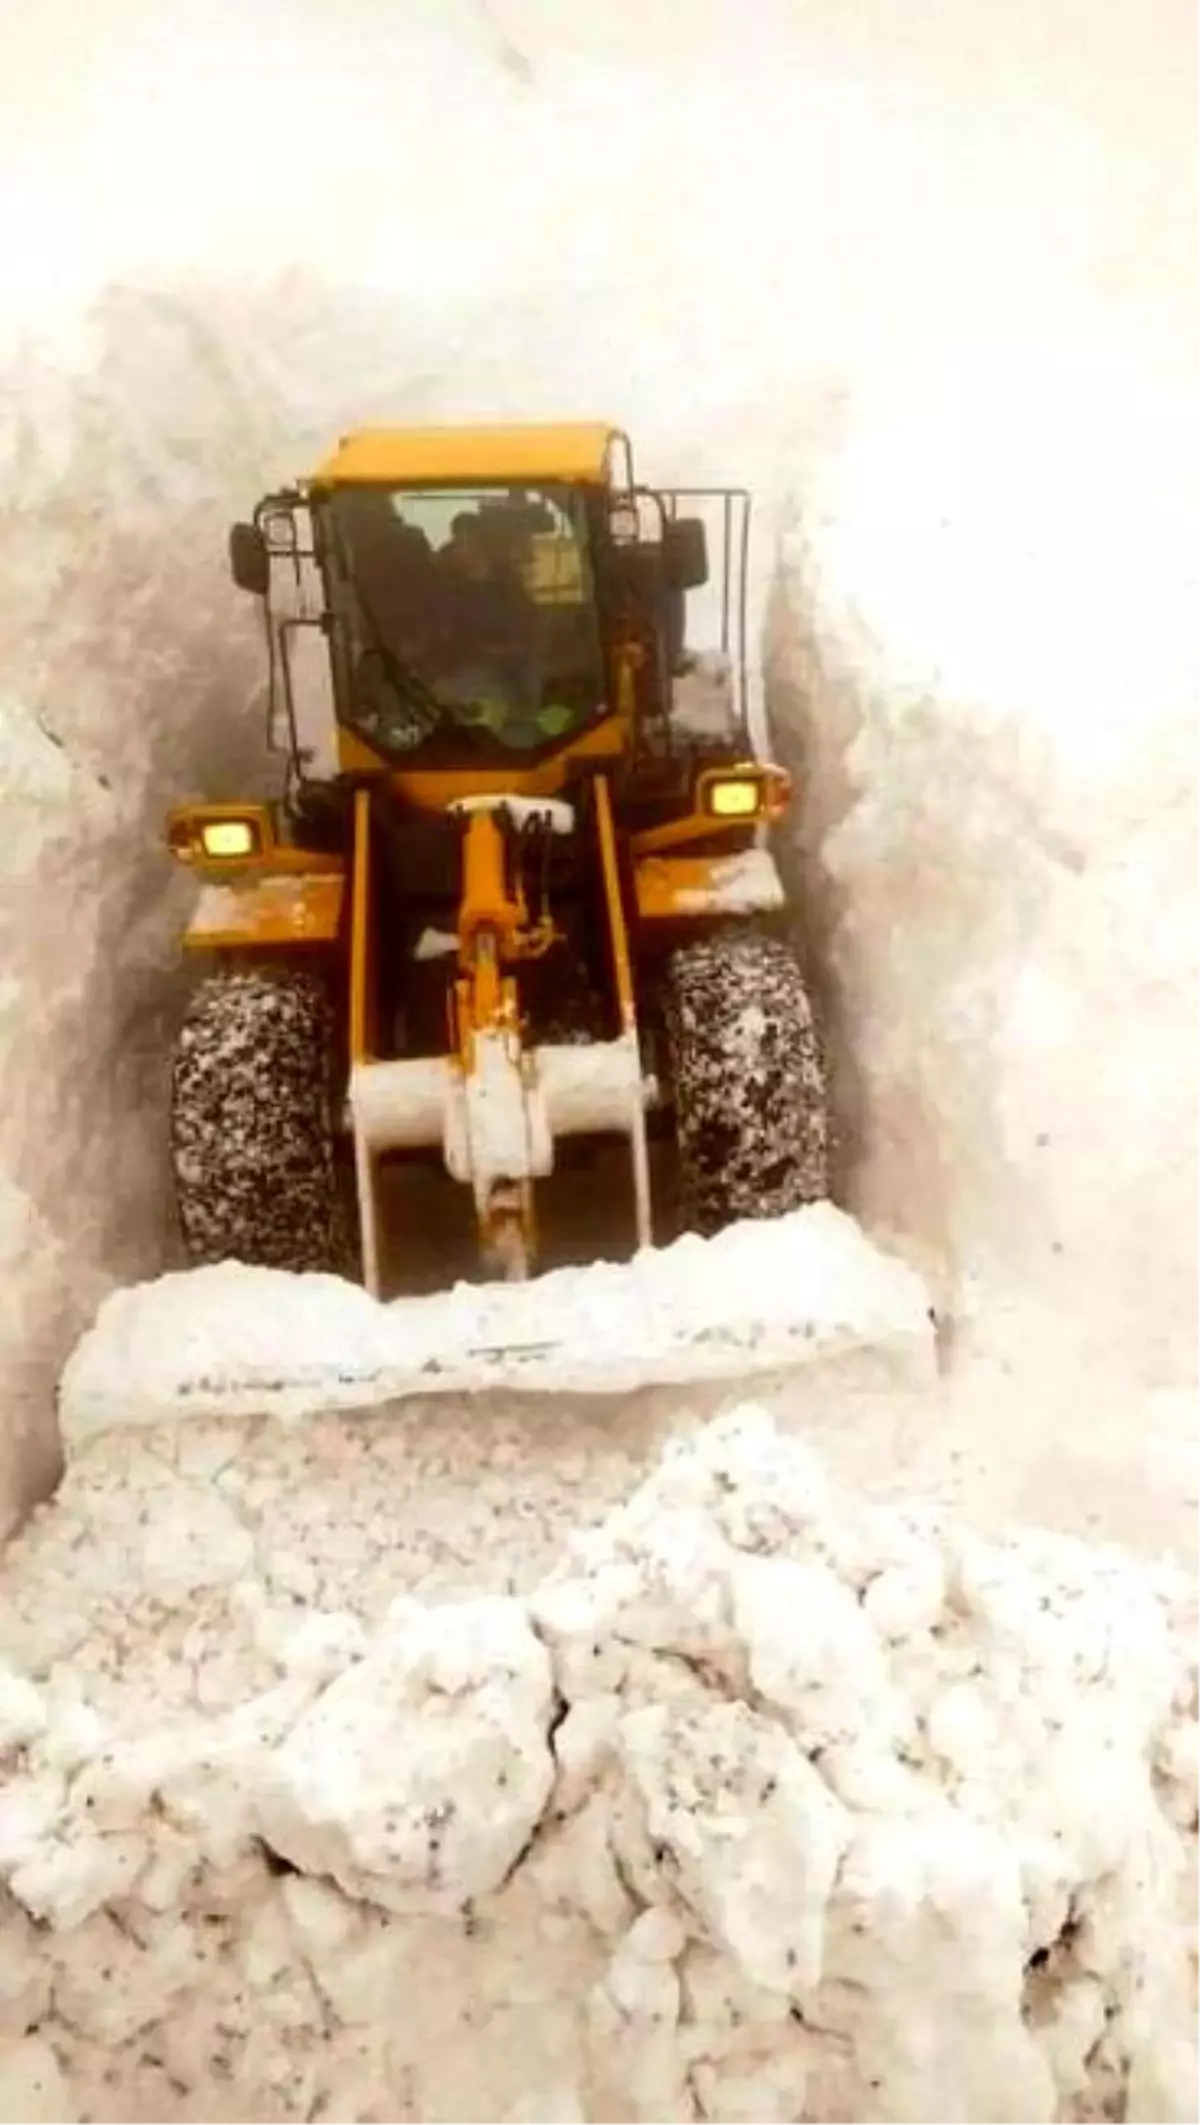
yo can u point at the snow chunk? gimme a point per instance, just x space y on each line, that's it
418 1776
747 1831
831 1675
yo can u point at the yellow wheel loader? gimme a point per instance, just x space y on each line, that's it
516 892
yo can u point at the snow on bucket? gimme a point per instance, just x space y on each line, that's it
759 1297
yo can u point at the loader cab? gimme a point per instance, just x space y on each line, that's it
465 622
493 618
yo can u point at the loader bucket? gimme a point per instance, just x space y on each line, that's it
758 1298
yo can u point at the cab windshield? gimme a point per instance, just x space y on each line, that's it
464 611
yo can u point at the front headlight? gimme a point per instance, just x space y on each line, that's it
216 834
739 798
746 790
229 837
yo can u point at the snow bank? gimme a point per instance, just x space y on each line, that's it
761 1801
805 1290
120 694
982 666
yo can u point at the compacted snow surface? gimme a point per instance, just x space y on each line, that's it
757 1801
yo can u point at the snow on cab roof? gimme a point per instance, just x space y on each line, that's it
572 450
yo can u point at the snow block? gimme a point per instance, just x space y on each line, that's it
762 1801
365 1790
759 1297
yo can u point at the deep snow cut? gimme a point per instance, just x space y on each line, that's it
821 1807
979 418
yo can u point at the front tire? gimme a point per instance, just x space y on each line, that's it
252 1136
751 1111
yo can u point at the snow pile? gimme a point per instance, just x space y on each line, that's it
806 1289
764 1802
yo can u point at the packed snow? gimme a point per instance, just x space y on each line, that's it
758 1801
341 1774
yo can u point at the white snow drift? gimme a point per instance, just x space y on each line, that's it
763 1802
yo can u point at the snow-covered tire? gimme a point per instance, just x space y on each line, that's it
252 1137
748 1078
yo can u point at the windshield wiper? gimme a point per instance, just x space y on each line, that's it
409 684
403 677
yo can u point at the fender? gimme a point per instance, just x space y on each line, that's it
675 888
267 909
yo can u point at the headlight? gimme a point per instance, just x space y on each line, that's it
204 833
738 798
229 837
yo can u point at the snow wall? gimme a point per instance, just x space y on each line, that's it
923 281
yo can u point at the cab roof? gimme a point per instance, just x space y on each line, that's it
567 451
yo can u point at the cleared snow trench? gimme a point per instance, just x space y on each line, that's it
758 1298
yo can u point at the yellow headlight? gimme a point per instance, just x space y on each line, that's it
229 837
734 800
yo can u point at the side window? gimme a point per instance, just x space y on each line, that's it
296 603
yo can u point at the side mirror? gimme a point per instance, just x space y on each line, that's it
249 564
685 553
